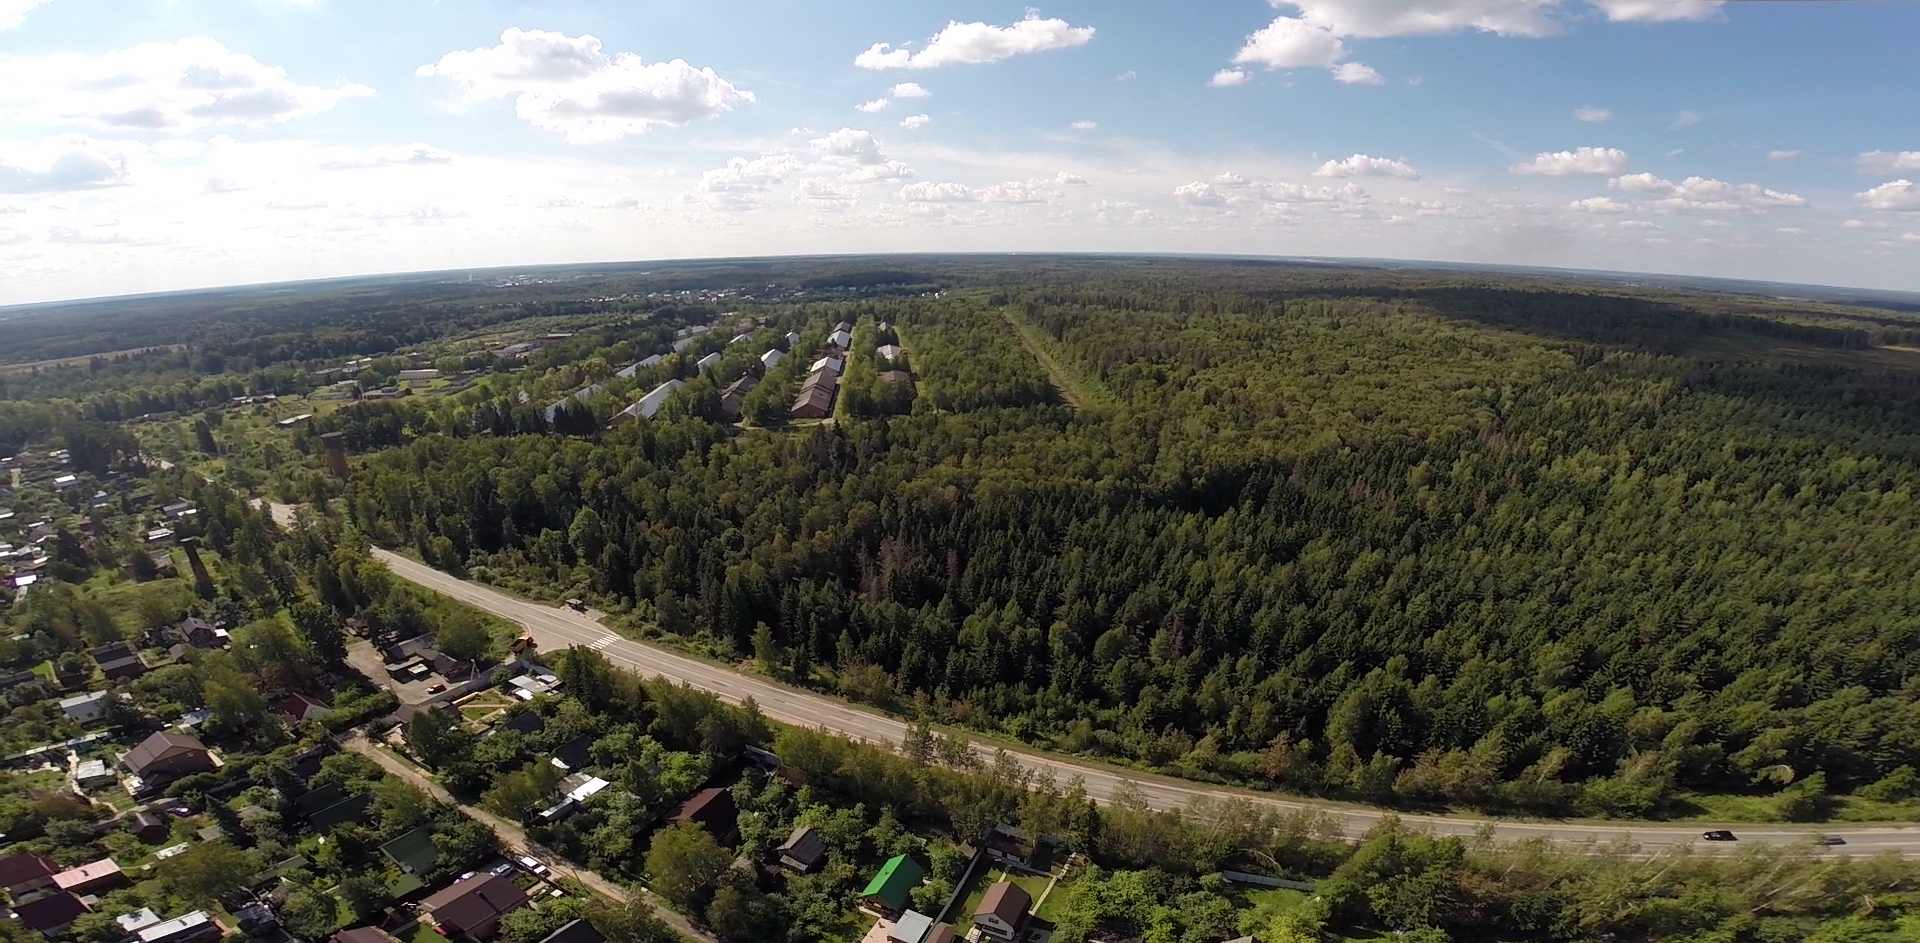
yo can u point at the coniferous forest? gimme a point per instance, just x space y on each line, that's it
1425 539
1505 544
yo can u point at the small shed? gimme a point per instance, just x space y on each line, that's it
803 850
147 827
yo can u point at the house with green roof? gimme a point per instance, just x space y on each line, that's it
890 891
414 852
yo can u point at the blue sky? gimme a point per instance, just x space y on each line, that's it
156 144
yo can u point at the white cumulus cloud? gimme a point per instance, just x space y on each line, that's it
1228 78
1894 196
916 122
883 172
568 85
1660 11
1888 162
1292 43
743 183
63 164
911 90
178 86
1600 204
878 104
937 193
1084 125
1591 114
1378 18
1353 73
850 145
1199 194
1039 190
1706 194
1360 165
1596 161
1784 156
977 43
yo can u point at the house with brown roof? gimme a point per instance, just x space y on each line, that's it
814 402
118 661
897 376
300 708
20 874
91 878
713 810
473 907
733 402
200 633
50 914
362 935
165 757
1002 914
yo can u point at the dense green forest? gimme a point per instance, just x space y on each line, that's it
1421 539
1509 547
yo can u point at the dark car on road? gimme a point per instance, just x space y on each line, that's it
1719 834
1828 840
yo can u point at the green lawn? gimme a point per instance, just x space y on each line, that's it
988 877
1279 898
424 934
852 926
1056 902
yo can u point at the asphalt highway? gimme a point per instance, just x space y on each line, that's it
553 628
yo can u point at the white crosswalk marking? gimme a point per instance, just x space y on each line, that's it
605 640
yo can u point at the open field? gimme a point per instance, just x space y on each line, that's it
83 359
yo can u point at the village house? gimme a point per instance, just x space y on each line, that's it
916 927
195 927
362 935
648 405
200 633
22 874
85 708
50 914
118 661
890 892
1003 913
91 878
814 402
733 402
803 850
300 708
165 757
713 810
472 908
